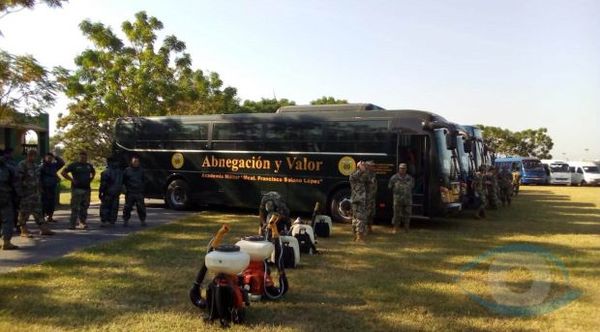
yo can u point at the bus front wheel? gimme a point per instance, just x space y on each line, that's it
177 196
340 206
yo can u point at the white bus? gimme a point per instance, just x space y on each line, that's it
559 172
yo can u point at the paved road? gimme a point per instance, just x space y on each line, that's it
38 249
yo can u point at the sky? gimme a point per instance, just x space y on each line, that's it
515 64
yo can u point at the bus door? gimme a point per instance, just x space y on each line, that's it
413 151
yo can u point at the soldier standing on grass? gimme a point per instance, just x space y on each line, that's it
133 180
479 189
12 165
50 180
491 182
111 181
516 178
402 185
82 174
29 188
505 183
371 194
7 191
358 187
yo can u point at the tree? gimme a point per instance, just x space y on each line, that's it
26 87
328 100
133 77
529 142
13 6
265 105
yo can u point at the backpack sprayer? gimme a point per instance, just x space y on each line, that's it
256 278
225 299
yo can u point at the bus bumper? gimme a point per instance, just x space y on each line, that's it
533 180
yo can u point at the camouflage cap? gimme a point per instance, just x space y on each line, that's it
402 165
370 163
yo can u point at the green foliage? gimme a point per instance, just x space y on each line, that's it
134 76
529 142
265 105
328 100
26 87
12 6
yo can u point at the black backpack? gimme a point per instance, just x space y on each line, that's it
304 242
220 306
322 229
289 257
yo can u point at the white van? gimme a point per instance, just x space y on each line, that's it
589 172
559 172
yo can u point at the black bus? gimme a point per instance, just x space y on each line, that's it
305 153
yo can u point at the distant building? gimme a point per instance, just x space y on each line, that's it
14 134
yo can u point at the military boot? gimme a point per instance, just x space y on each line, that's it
25 231
360 238
45 230
395 229
8 246
369 229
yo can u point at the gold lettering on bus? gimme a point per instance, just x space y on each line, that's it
258 163
303 164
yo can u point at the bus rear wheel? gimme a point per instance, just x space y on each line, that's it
177 196
340 206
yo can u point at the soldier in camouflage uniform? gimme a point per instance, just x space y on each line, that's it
133 180
505 183
479 190
30 193
402 185
358 196
272 202
82 174
491 183
11 163
111 181
371 195
7 191
516 178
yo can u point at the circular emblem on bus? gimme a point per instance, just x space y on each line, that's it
177 160
347 165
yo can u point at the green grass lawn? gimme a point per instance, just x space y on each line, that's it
403 282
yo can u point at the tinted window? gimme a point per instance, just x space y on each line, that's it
357 136
559 168
238 131
532 164
189 132
591 169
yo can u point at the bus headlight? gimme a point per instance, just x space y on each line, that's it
445 194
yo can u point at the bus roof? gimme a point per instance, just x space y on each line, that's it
515 159
356 107
413 121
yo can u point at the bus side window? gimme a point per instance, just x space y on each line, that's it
237 136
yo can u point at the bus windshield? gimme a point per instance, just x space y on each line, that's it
559 168
532 164
591 169
462 155
447 163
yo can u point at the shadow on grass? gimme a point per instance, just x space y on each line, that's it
403 282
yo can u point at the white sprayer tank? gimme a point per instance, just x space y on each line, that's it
228 259
257 247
